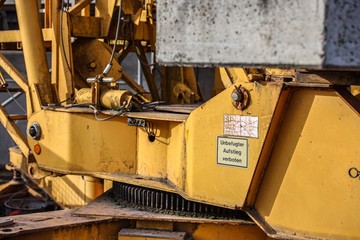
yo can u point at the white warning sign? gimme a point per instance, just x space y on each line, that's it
245 126
232 152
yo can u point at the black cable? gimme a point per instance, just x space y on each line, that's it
96 112
62 37
108 67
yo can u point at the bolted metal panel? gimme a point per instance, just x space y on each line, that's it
314 34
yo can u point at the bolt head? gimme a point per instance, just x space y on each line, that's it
236 96
32 131
93 65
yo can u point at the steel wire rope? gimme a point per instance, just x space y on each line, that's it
63 46
109 66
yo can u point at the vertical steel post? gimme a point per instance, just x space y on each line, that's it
34 53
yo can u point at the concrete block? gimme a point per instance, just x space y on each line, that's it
316 34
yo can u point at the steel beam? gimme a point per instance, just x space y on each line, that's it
34 53
14 131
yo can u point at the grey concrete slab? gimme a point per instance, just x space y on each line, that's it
304 33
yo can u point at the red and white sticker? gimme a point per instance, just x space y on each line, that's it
244 126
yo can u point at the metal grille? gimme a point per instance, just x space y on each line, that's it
161 200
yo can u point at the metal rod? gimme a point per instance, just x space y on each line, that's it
146 71
10 99
16 76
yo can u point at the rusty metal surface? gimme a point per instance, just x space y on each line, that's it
151 234
114 208
85 26
261 223
329 77
149 76
76 9
177 108
24 224
172 203
90 59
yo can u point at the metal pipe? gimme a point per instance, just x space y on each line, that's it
105 79
34 53
10 99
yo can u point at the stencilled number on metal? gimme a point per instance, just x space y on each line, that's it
137 122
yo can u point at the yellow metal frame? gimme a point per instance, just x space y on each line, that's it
298 165
306 189
65 225
84 145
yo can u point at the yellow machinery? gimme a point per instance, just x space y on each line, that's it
273 154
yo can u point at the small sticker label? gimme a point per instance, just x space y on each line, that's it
232 152
138 122
244 126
